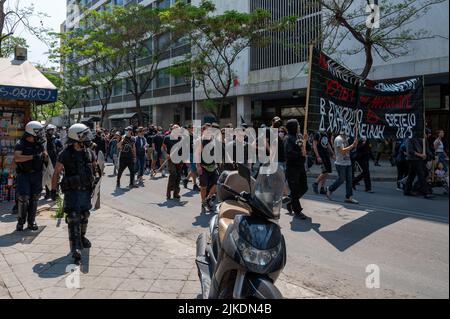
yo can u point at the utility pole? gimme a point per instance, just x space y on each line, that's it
193 99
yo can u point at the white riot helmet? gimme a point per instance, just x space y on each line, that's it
50 127
34 128
80 133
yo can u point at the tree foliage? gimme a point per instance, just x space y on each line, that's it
217 41
344 20
14 16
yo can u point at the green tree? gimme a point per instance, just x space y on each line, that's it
10 43
217 41
347 20
137 30
14 15
94 50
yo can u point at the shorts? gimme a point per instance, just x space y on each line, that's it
208 179
327 168
157 156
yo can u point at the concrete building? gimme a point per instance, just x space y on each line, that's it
272 81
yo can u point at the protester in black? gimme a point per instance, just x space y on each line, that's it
363 155
295 154
173 184
127 156
323 152
415 157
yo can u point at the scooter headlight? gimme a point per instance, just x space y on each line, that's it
253 255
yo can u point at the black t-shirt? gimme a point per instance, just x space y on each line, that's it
127 147
158 140
322 144
28 148
170 143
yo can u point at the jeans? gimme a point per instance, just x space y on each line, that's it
141 165
345 176
126 163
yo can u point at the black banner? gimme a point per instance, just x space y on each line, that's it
341 100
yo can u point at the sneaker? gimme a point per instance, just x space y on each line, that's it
328 193
85 243
206 206
196 188
19 227
315 187
351 201
369 191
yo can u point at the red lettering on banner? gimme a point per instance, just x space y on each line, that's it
387 102
337 91
323 61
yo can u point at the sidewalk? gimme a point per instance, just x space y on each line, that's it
384 173
129 258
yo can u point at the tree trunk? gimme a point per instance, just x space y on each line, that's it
2 22
139 109
369 61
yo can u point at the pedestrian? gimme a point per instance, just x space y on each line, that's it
127 156
29 156
51 150
343 165
323 152
363 154
99 140
114 151
173 184
192 166
402 164
439 148
416 168
207 169
442 177
295 155
79 164
158 155
141 148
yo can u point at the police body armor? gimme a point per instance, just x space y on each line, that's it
78 172
36 164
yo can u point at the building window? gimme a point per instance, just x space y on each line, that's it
118 88
162 79
226 112
188 113
432 97
291 46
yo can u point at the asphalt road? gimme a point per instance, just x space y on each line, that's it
406 238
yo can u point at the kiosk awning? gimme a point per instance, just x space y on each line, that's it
20 80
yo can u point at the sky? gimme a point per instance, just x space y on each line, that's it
56 9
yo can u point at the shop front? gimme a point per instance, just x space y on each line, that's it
21 87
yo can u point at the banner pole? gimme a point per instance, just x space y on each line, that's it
308 91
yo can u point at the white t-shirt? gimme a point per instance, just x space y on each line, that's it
342 160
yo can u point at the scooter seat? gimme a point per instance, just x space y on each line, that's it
227 212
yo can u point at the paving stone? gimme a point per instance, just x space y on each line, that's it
141 285
145 273
105 283
117 272
191 287
155 295
174 274
122 294
167 286
89 293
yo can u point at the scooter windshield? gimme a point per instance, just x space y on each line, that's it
269 190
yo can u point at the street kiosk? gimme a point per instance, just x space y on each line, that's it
21 86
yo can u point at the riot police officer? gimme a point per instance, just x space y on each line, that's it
52 150
79 164
295 155
29 155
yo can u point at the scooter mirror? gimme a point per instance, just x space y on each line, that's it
244 172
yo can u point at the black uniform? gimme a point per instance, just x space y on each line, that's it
52 152
175 169
29 182
295 166
126 159
77 186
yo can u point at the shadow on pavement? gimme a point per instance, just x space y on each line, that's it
120 191
171 203
191 193
25 237
62 266
202 220
8 218
353 232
